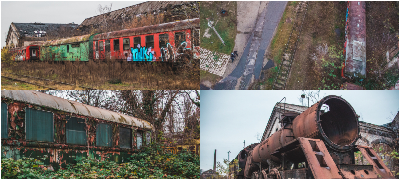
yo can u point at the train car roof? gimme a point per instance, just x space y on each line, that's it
42 99
165 27
69 40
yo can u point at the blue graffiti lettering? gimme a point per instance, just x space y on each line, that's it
142 54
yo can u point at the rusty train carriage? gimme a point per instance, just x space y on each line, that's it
39 125
318 143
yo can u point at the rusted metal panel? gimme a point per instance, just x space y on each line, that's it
373 158
357 171
355 63
41 99
319 159
69 40
295 174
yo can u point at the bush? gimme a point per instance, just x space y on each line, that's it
149 162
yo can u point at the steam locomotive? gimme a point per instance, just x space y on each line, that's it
318 143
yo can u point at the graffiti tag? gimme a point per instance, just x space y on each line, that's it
142 54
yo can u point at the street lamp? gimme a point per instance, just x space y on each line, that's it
308 98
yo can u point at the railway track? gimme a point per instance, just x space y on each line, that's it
47 84
290 50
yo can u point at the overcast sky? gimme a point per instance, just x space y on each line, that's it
230 117
61 12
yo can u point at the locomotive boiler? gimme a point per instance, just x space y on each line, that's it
319 143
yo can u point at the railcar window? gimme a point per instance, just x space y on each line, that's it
96 46
163 40
116 44
148 137
4 120
103 135
136 42
101 46
127 44
75 45
67 48
107 45
150 41
196 37
139 139
75 133
125 137
179 38
39 125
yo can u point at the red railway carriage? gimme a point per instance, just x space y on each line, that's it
162 42
26 53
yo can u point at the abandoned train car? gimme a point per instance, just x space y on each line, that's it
161 42
318 143
168 42
354 66
26 53
37 125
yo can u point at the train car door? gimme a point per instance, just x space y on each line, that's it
101 50
96 50
126 49
34 53
107 49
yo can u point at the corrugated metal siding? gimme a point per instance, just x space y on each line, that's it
139 139
75 133
125 137
4 120
39 125
104 135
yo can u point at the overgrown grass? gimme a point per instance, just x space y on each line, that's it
150 162
225 25
98 75
278 44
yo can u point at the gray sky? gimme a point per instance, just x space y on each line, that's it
62 12
229 117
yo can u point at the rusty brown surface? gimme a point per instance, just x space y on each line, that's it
338 127
165 27
377 162
358 172
319 159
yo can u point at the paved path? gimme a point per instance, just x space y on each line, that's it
251 60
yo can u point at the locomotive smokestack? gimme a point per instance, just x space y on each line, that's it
215 160
332 119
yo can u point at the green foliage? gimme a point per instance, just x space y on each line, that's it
149 162
6 57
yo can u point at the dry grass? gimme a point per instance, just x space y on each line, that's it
113 75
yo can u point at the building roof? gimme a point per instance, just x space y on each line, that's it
28 29
150 7
42 99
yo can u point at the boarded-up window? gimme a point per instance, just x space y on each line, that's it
107 45
39 125
104 135
139 139
179 38
136 42
4 121
116 44
163 40
127 44
148 137
150 41
76 133
196 37
101 46
125 137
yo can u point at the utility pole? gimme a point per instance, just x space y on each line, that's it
228 155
